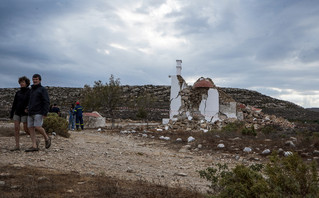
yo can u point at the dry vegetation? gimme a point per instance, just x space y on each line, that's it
39 182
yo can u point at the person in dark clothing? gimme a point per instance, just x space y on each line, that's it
56 109
71 117
78 116
18 111
38 108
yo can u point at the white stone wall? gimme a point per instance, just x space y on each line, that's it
175 98
229 110
209 106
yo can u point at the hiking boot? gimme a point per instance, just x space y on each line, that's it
48 143
32 149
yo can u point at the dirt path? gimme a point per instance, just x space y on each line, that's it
116 155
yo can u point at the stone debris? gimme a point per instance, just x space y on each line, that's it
164 138
220 146
290 143
247 150
316 152
266 152
179 140
190 139
287 153
181 174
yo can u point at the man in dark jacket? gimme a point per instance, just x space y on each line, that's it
78 116
18 111
38 108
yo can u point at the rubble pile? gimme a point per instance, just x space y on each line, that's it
252 117
255 117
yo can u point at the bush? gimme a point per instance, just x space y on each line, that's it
233 127
287 177
249 131
269 129
291 177
54 123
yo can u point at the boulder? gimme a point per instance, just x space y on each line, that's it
93 120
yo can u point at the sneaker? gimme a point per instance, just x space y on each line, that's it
48 143
15 149
32 149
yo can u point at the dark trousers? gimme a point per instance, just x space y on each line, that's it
79 120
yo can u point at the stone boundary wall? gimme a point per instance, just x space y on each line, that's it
64 96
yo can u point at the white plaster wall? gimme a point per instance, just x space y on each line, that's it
229 110
209 107
175 99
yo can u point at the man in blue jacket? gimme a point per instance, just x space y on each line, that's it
78 116
37 109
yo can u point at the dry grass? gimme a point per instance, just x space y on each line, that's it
36 182
6 131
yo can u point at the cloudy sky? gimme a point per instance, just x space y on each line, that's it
268 46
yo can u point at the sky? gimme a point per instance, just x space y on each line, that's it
267 46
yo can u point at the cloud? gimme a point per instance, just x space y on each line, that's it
261 45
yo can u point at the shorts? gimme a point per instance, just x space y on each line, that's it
35 120
20 118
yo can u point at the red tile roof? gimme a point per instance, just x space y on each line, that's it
202 82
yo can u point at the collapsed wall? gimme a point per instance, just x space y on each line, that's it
204 106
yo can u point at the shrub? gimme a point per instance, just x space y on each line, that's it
54 123
249 131
269 129
286 177
233 127
242 181
291 177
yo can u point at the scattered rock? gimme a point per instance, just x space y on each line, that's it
42 178
316 152
287 153
290 143
236 138
181 174
179 140
266 152
190 139
220 146
280 151
247 150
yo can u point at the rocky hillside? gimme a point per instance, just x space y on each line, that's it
271 105
313 109
64 96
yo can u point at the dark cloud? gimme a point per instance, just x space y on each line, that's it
271 46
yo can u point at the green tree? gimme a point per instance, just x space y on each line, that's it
103 96
144 103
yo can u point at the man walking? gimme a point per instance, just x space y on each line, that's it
38 108
78 116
